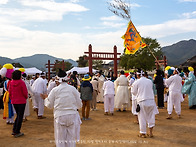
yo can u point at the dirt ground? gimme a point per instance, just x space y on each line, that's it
108 131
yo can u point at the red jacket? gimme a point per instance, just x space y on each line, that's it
18 92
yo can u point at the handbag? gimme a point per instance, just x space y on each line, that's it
138 108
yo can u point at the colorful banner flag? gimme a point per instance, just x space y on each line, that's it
132 40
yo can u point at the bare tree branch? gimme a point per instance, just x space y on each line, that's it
120 8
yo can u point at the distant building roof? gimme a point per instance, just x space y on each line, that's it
190 62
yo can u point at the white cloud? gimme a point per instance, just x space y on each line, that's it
20 42
29 15
168 28
189 15
135 5
54 6
36 10
105 41
74 1
2 2
111 18
112 24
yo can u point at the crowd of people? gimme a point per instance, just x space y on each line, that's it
69 94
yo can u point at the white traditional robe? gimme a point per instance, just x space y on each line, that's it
143 90
39 87
30 91
51 85
131 81
101 80
109 93
95 92
65 100
122 93
175 97
32 81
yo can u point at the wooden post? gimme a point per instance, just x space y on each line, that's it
115 61
157 65
102 56
90 62
63 65
165 61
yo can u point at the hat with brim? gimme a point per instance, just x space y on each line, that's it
86 78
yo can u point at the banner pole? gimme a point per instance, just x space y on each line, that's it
154 56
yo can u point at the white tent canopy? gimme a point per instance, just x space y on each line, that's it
31 71
81 70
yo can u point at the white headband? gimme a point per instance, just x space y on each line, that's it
140 73
66 78
177 70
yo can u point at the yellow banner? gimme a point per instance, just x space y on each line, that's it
132 40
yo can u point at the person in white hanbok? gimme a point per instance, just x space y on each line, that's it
32 80
30 93
143 90
65 100
175 98
101 80
109 93
131 81
134 102
51 85
95 85
39 87
122 99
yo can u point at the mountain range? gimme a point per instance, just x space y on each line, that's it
37 60
176 54
180 52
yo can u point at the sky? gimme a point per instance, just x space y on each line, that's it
65 28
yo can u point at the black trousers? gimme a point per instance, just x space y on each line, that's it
160 97
19 118
1 102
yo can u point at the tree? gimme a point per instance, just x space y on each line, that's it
82 62
98 64
143 58
58 64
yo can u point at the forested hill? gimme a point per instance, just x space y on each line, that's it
179 52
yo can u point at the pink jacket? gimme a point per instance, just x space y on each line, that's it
18 92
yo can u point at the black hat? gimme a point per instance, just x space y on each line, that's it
61 73
75 72
100 72
24 75
122 72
